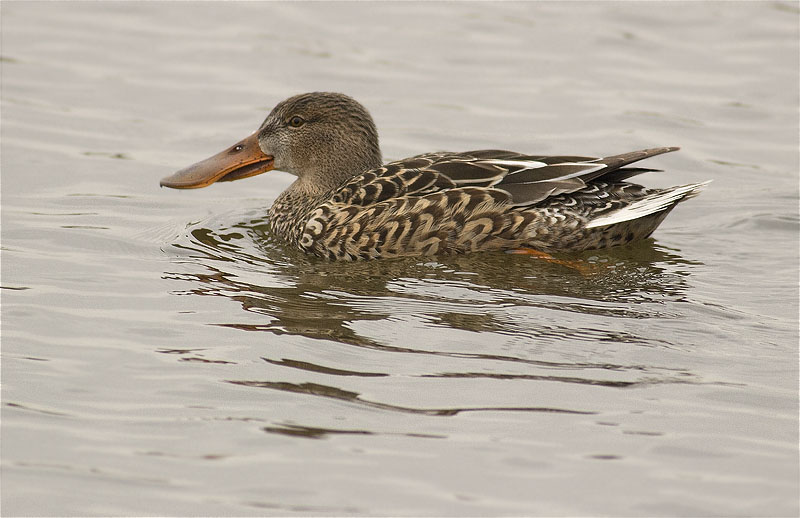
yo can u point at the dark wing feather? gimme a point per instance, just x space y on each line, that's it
552 160
620 175
551 173
528 179
570 174
530 193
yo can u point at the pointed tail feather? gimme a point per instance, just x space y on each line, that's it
616 161
657 202
615 169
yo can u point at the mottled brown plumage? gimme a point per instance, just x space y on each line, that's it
346 205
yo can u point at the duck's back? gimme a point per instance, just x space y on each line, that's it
487 200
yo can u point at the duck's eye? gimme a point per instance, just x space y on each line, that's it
296 121
238 147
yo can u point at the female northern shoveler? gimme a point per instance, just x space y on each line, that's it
346 205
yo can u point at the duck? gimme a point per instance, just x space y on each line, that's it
346 204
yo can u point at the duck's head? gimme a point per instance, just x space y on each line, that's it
322 138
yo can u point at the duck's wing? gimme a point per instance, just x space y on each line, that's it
538 178
528 179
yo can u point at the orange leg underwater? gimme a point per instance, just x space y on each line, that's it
580 266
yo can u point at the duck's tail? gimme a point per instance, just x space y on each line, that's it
658 201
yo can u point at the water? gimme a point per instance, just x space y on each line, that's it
163 354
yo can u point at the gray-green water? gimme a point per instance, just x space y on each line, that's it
162 354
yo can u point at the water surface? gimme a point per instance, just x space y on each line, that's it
163 353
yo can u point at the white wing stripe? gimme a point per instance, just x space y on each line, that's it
590 168
490 179
525 164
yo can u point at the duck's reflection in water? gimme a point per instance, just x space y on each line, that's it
474 307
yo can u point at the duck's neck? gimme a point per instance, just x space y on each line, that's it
291 210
